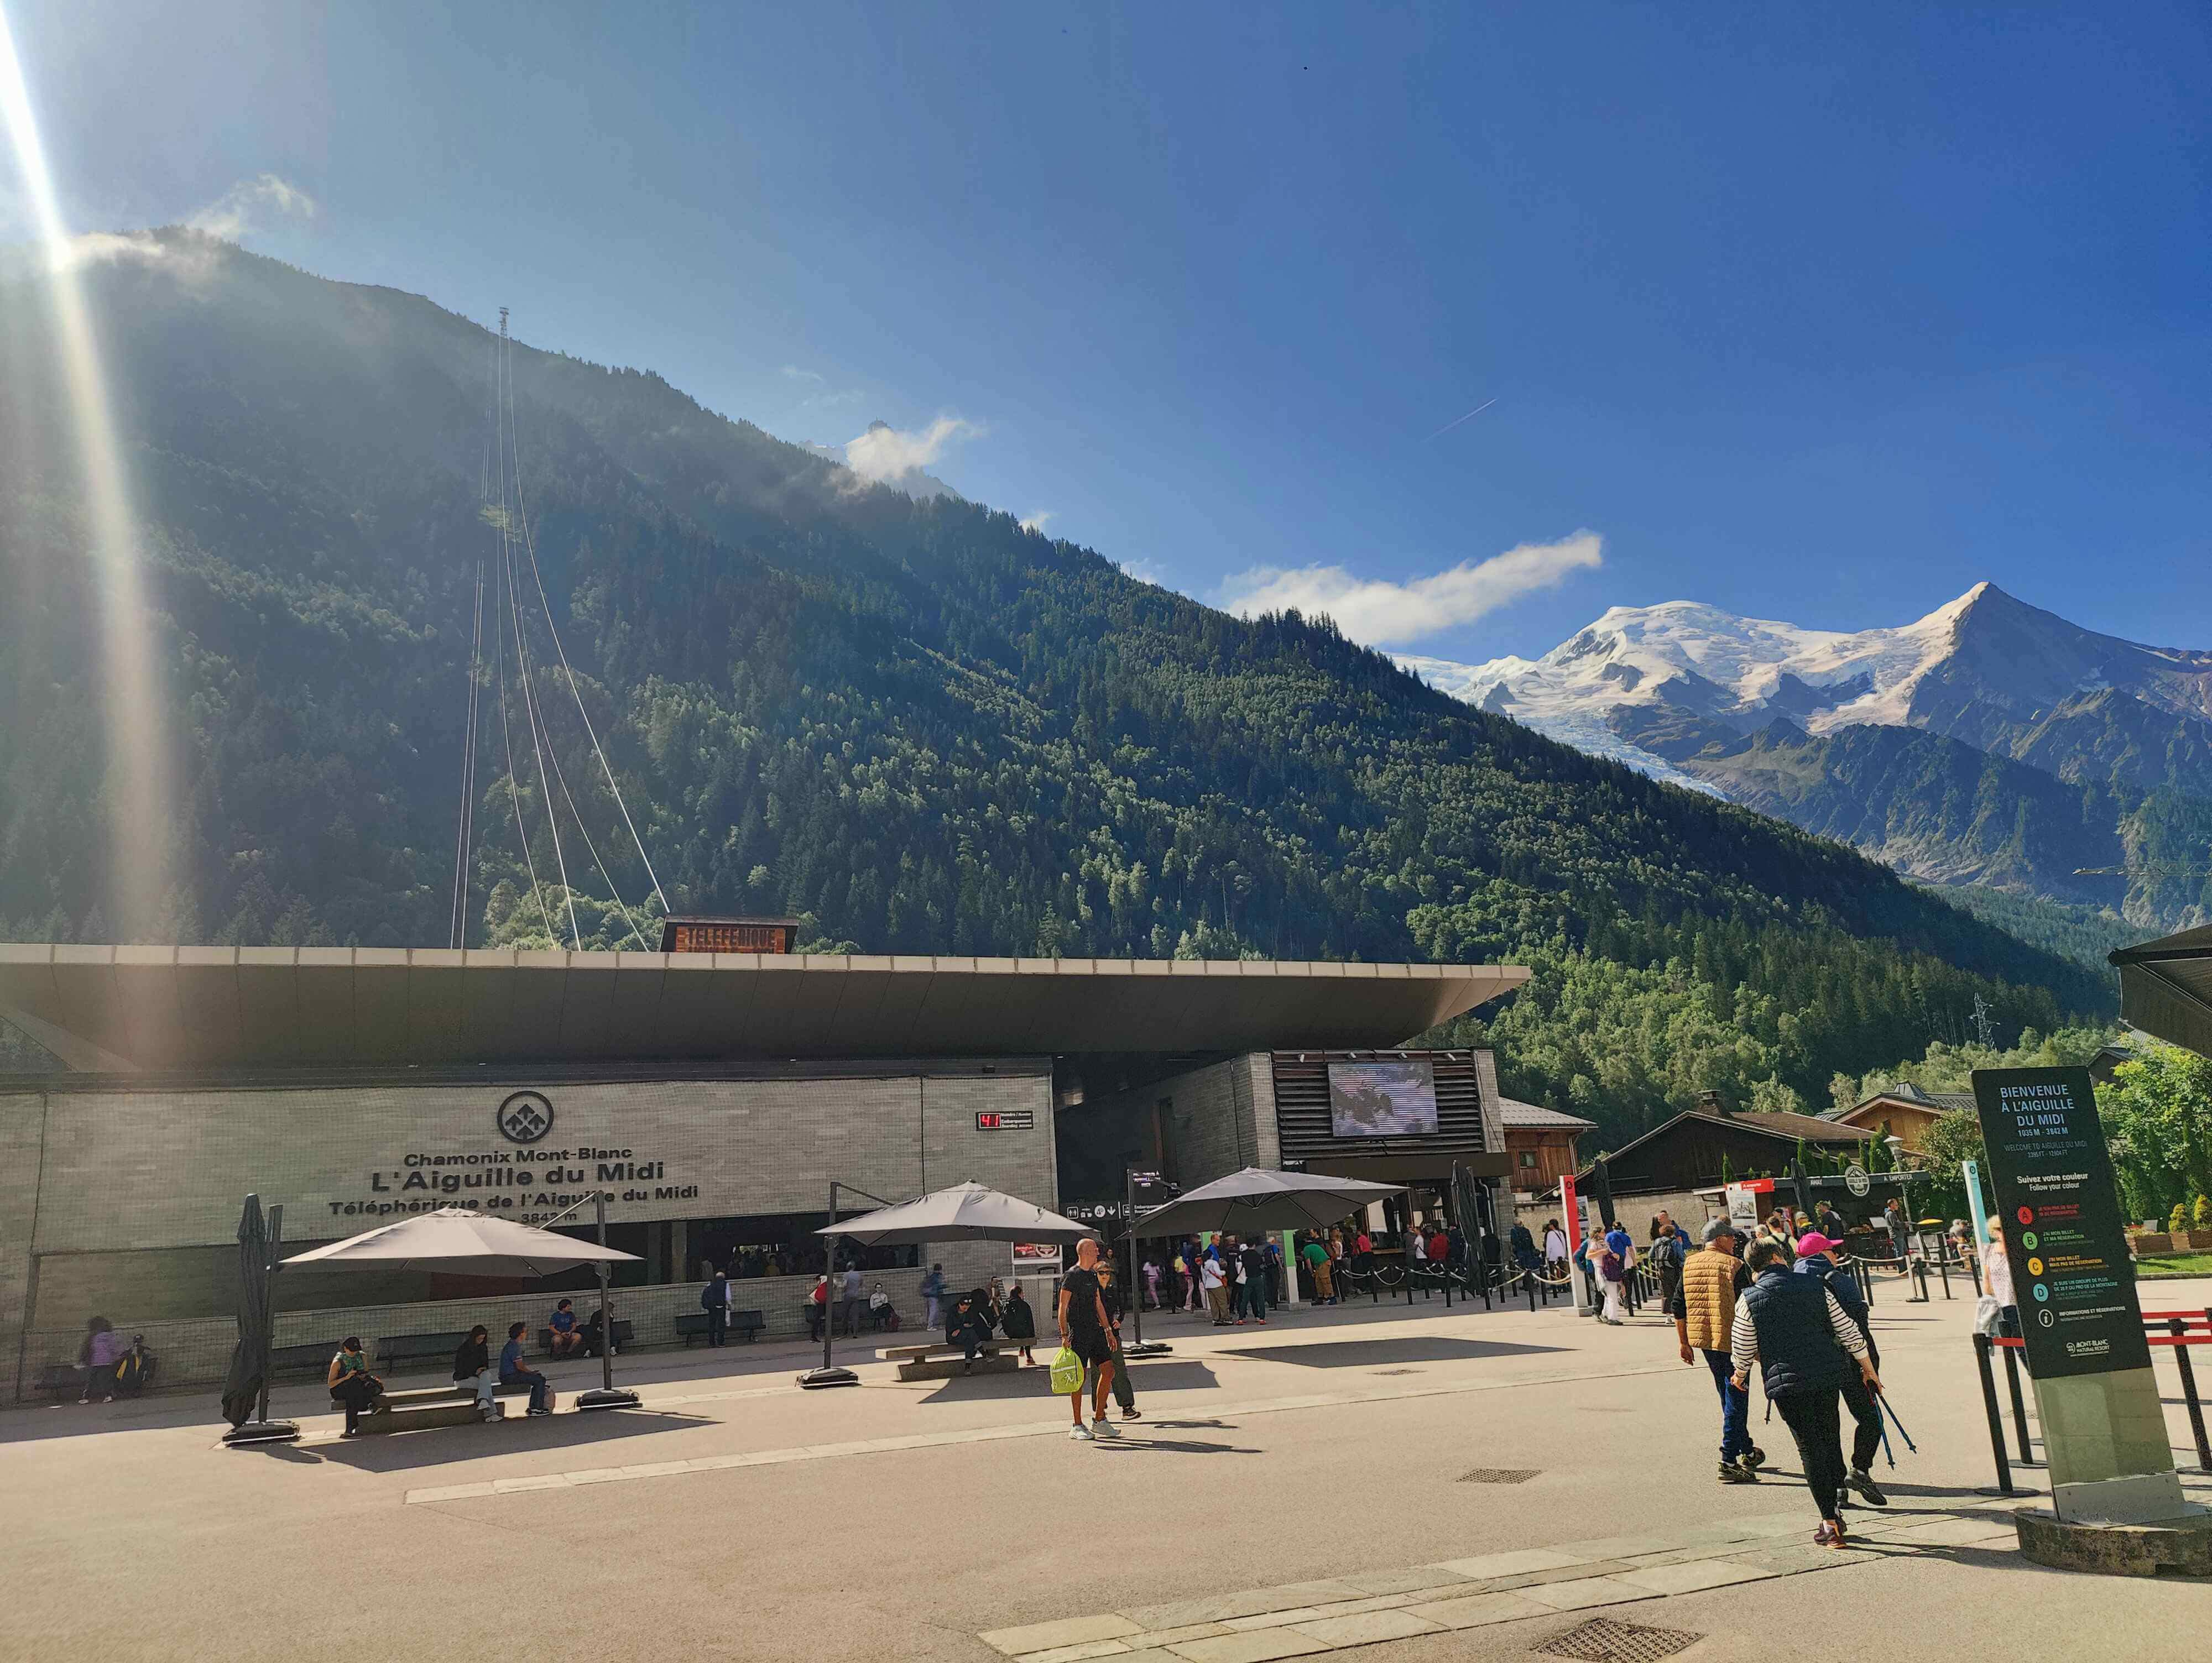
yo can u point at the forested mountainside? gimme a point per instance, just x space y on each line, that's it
915 722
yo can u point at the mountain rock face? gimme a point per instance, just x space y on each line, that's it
1989 742
921 726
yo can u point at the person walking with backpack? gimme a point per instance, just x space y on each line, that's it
1804 1344
1821 1256
1703 1309
933 1294
1664 1256
1611 1272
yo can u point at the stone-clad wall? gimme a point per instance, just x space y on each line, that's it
162 1170
1219 1118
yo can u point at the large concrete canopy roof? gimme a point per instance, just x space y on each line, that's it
132 1008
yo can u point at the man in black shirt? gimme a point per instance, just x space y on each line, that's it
1086 1330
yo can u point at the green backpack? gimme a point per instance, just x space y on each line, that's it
1067 1373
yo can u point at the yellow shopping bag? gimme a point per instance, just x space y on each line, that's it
1067 1373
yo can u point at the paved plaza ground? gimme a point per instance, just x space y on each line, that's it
1330 1482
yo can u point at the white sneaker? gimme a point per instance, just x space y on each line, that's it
1104 1428
1079 1433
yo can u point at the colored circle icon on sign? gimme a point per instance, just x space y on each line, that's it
2027 1215
2048 1319
2035 1267
2029 1242
2042 1293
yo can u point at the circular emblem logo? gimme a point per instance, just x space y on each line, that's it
1856 1180
2042 1293
525 1117
2048 1319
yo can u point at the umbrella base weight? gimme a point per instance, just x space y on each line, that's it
1151 1348
600 1397
263 1432
814 1379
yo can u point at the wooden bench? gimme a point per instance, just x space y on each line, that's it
312 1358
432 1406
692 1325
943 1362
396 1351
64 1381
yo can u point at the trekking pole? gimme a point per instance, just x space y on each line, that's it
1881 1398
1888 1454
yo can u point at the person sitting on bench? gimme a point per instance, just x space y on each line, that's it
512 1372
472 1366
1019 1320
880 1311
350 1382
562 1322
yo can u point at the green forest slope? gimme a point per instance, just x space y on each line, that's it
923 726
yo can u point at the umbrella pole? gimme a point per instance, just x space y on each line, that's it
829 1373
606 1397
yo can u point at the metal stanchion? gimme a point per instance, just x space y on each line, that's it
2180 1330
2019 1404
1943 1268
1996 1416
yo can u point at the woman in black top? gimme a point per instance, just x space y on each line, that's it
472 1368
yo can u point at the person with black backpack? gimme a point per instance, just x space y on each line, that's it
1665 1256
1804 1344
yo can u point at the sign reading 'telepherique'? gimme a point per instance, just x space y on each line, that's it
2053 1179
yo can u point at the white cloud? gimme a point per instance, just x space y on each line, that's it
1379 613
820 394
1037 521
246 205
884 454
793 373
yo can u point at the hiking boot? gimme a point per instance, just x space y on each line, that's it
1868 1490
1734 1472
1754 1458
1132 1415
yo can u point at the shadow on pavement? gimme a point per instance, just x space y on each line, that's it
405 1451
1030 1384
1129 1443
1365 1353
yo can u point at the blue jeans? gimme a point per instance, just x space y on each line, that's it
1735 1407
540 1387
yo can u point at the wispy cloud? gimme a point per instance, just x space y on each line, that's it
885 454
820 395
1469 416
1037 521
248 206
1382 614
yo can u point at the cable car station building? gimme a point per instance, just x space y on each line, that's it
712 1095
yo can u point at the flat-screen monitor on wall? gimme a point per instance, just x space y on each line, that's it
1381 1099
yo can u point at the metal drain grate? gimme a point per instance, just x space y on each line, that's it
1499 1475
1602 1640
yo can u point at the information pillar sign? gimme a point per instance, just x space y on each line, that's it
2104 1427
1585 1301
2078 1310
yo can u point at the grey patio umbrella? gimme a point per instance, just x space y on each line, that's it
1257 1199
475 1244
455 1239
246 1389
965 1212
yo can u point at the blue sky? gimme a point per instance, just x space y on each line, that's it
1813 312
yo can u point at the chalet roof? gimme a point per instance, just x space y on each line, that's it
1912 1096
1515 1113
1782 1128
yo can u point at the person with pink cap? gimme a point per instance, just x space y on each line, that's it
1821 1256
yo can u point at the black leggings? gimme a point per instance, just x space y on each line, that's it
1867 1439
1811 1415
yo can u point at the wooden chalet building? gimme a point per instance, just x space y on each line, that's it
1540 1143
1907 1110
1687 1154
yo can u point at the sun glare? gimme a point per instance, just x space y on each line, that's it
139 799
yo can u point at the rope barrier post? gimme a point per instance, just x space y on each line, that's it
1528 1276
1942 1268
1996 1416
2019 1404
2179 1327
